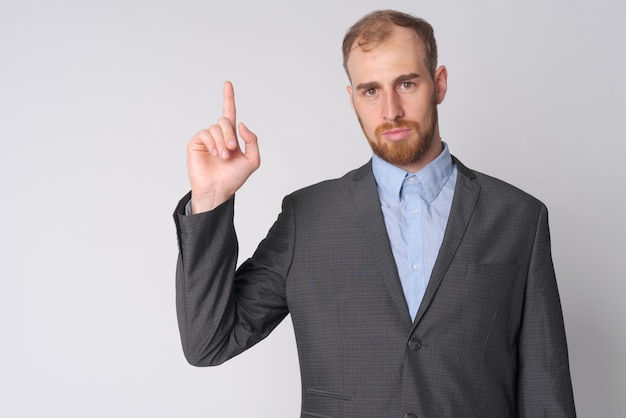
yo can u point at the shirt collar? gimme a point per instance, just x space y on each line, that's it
431 178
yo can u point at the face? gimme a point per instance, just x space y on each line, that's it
395 99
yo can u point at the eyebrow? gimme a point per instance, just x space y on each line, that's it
400 79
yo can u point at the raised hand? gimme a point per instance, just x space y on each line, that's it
216 164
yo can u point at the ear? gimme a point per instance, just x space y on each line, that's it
349 90
441 83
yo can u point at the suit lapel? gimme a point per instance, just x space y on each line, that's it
463 203
367 206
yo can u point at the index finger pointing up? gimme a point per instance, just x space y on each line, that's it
229 111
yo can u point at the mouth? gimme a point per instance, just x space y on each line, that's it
396 134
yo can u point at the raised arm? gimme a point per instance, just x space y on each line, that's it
216 164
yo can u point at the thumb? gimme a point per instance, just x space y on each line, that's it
251 145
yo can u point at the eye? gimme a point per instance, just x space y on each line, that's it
370 92
407 85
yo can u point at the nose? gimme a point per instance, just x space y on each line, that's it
392 107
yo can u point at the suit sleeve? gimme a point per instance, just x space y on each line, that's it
544 383
223 311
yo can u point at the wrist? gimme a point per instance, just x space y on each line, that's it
205 202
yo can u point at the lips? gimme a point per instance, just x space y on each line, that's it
396 134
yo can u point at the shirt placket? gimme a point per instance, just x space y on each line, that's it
415 247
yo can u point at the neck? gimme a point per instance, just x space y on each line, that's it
436 147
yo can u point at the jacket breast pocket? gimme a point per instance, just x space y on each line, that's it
492 293
494 270
495 279
477 292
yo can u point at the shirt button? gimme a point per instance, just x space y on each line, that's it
410 416
412 179
414 211
415 267
415 344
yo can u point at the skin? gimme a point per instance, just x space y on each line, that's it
216 164
390 84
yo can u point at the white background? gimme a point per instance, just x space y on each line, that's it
99 98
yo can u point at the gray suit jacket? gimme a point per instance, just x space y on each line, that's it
488 339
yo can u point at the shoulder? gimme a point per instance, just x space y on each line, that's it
334 188
494 191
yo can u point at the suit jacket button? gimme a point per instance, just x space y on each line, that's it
410 416
415 344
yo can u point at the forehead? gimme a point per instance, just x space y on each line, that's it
402 52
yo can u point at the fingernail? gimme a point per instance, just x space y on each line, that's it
225 153
232 143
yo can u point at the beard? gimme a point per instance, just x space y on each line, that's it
405 152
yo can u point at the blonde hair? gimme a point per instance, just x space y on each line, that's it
377 26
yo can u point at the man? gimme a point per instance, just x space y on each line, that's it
417 287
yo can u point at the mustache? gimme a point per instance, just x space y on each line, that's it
396 125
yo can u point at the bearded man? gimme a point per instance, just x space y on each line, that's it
417 287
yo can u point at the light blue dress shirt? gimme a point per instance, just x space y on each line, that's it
416 207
